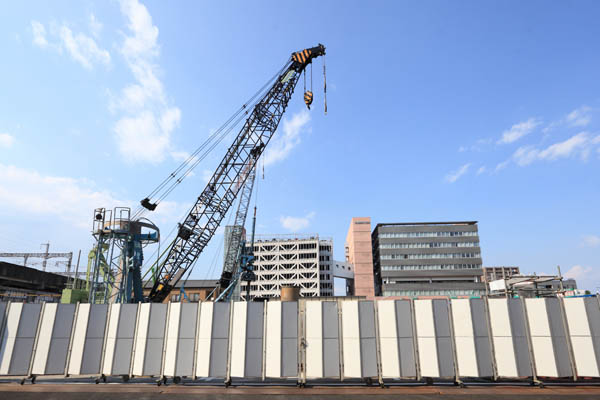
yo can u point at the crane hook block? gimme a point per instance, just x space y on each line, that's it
147 205
308 98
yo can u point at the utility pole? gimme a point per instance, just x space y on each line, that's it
45 256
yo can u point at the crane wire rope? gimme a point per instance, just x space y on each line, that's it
216 137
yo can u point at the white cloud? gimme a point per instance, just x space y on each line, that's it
95 26
281 146
39 34
144 130
455 175
519 130
502 165
481 170
83 48
68 200
579 144
579 117
591 241
578 272
295 224
6 140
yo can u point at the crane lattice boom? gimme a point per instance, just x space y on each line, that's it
215 200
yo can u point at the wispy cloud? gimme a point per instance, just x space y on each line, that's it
481 170
590 241
455 175
81 47
282 145
6 140
583 274
71 200
519 130
144 130
39 34
580 117
95 26
579 144
295 224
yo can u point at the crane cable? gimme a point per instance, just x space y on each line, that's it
193 160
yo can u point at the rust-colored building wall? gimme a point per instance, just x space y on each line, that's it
359 252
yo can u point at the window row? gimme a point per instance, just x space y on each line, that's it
428 256
388 235
427 245
449 293
428 267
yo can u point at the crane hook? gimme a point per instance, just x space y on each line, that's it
308 98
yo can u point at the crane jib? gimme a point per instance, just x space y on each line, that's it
211 206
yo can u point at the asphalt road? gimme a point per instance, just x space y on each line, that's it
72 391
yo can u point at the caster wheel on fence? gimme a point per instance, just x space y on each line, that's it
429 381
125 378
176 380
33 380
159 382
97 381
369 382
541 385
22 381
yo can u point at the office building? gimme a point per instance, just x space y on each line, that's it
427 259
304 261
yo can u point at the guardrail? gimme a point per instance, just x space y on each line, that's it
308 340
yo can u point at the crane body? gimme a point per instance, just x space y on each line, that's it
211 206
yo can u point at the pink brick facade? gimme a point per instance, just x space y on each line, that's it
359 252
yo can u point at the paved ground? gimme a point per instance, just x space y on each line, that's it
109 391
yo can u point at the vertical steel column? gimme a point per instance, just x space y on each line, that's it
567 332
415 339
36 339
68 363
264 342
486 307
301 343
341 337
165 340
135 338
377 344
529 343
229 340
106 325
453 340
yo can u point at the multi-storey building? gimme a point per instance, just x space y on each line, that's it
427 259
359 254
305 261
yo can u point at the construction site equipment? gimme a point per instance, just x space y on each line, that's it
117 258
212 205
115 262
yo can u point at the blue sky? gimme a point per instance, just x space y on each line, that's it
486 111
